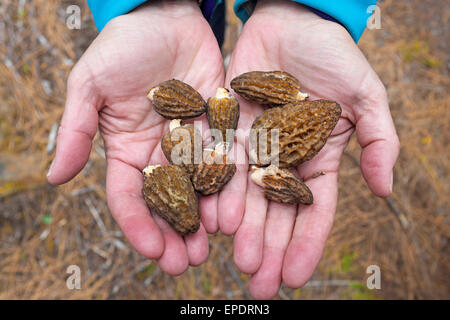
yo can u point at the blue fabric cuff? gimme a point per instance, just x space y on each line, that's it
105 10
352 14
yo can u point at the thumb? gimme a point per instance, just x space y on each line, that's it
377 136
77 130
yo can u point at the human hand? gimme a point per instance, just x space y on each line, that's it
276 242
108 88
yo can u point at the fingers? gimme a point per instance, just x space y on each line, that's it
197 246
150 235
377 136
312 226
232 197
174 260
208 208
249 238
181 252
280 251
313 222
124 184
77 130
266 282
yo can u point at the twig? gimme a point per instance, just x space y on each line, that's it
283 295
120 245
400 215
100 151
43 40
44 234
150 279
102 253
78 192
237 279
331 283
52 138
96 216
76 226
20 9
142 266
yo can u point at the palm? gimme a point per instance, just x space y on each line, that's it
276 242
131 55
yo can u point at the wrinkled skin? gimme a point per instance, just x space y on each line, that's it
108 87
283 243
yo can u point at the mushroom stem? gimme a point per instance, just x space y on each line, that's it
175 123
302 96
259 173
222 93
149 169
151 93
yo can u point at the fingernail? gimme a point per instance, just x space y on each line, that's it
392 182
49 172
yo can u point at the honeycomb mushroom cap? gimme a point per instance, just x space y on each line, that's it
271 88
303 128
169 191
174 99
184 139
213 173
223 112
282 186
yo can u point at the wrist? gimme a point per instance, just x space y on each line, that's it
174 8
350 14
104 11
286 10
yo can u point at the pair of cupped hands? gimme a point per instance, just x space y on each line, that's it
163 40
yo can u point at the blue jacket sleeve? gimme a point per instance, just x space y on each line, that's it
352 14
105 10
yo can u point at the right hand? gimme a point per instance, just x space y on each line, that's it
283 243
108 87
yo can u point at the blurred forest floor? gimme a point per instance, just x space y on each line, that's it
44 229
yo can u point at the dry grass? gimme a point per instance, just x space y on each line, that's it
44 229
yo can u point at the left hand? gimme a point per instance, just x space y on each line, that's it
107 89
276 242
